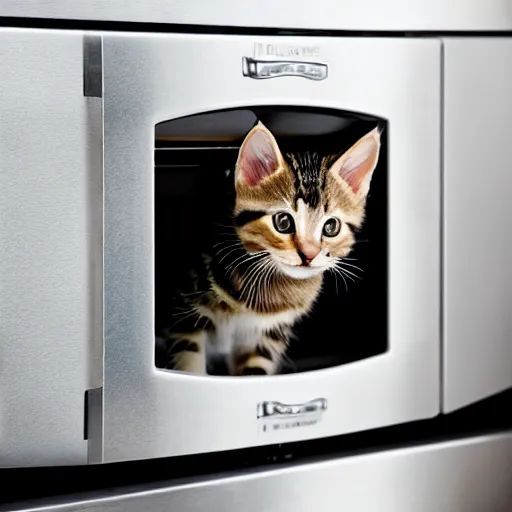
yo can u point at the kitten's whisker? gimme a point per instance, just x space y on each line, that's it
246 277
225 243
344 281
197 320
335 280
267 281
223 225
228 253
246 255
349 273
350 265
250 256
261 295
249 276
272 269
234 262
186 308
183 318
228 248
191 293
265 278
183 313
253 293
337 272
253 299
254 280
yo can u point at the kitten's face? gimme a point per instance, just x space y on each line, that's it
300 208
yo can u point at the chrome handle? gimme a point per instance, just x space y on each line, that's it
261 69
280 410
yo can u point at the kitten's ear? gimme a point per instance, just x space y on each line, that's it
356 165
259 156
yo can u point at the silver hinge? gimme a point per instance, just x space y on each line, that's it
93 66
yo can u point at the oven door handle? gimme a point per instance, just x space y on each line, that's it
279 410
264 69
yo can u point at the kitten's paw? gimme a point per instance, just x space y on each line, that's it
188 362
186 354
254 364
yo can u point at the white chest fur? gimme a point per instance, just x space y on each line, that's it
244 330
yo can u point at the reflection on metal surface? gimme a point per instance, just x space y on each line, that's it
371 15
467 474
477 350
261 69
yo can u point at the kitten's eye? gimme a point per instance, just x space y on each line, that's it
332 227
283 222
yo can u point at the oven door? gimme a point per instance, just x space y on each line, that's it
148 80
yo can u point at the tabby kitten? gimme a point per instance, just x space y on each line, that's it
293 219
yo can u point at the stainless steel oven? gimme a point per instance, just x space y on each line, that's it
105 138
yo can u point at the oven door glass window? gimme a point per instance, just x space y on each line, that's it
270 240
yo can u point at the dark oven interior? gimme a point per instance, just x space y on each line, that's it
194 160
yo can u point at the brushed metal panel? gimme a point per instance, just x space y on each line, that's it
467 475
477 218
50 248
149 79
399 15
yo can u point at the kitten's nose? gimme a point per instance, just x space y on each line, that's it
307 251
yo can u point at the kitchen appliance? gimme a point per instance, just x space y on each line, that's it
101 131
